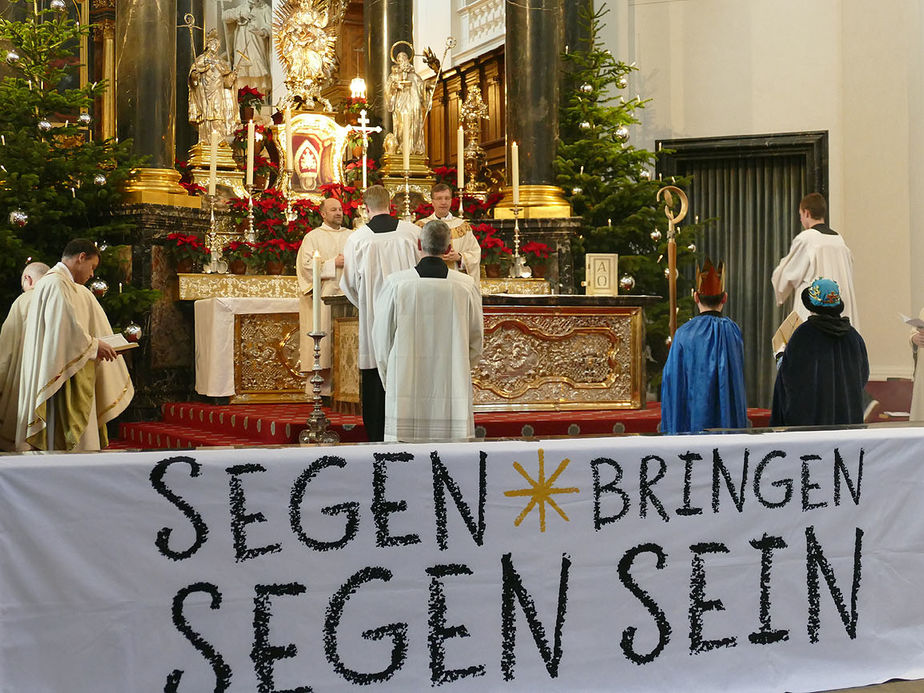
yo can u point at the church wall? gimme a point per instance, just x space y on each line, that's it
740 67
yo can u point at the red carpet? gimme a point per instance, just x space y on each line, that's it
190 425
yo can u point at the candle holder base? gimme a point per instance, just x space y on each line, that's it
318 425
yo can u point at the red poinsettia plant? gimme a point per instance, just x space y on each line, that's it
535 253
350 197
237 250
249 97
189 248
275 250
493 249
355 105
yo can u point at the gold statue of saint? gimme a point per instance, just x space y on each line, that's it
406 96
212 97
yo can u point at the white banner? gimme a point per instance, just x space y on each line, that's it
743 562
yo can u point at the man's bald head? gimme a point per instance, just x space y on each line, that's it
31 274
331 212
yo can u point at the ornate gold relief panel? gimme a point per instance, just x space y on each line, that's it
266 358
345 360
560 358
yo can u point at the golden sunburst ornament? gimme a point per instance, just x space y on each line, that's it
541 491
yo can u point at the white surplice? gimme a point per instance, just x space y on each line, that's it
814 254
11 335
428 336
61 336
329 242
463 242
368 258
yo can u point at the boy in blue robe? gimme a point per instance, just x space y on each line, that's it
702 385
824 369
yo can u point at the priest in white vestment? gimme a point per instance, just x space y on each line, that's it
818 251
11 354
328 240
464 254
71 382
428 335
382 246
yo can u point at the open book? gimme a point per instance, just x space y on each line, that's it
914 322
784 332
118 342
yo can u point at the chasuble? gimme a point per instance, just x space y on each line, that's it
61 337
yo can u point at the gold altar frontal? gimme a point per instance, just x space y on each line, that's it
542 352
195 286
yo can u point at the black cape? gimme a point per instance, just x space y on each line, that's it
822 375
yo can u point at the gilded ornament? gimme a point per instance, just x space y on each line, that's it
19 218
655 235
306 34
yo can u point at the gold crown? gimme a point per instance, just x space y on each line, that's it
710 280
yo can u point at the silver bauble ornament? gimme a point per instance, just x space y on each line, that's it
586 88
12 57
622 82
655 235
19 218
622 133
645 174
692 247
585 125
99 179
132 333
84 119
667 272
44 125
669 340
576 190
58 5
627 282
103 246
99 287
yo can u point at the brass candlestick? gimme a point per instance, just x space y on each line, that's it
318 430
211 241
251 236
519 269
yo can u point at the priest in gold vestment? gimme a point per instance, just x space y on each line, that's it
464 254
328 240
11 354
71 382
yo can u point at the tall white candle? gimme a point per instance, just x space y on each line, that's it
290 165
515 172
406 147
213 163
316 291
460 174
365 166
250 148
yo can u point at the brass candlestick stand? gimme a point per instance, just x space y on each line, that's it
251 236
519 269
216 265
407 195
318 430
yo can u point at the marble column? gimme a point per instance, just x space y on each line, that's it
386 21
186 134
535 41
146 95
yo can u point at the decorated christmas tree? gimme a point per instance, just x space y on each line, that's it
611 185
56 181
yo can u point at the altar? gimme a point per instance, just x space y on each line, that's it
541 352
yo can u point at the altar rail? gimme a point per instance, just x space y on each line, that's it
782 561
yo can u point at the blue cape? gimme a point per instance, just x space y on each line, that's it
702 385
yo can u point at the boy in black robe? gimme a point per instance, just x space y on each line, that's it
824 368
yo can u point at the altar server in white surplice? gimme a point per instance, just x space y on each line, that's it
374 251
11 354
818 251
428 336
328 240
464 254
71 382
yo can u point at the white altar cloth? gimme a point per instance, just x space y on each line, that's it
215 338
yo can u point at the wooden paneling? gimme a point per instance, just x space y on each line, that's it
487 72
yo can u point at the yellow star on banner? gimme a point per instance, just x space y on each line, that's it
541 491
